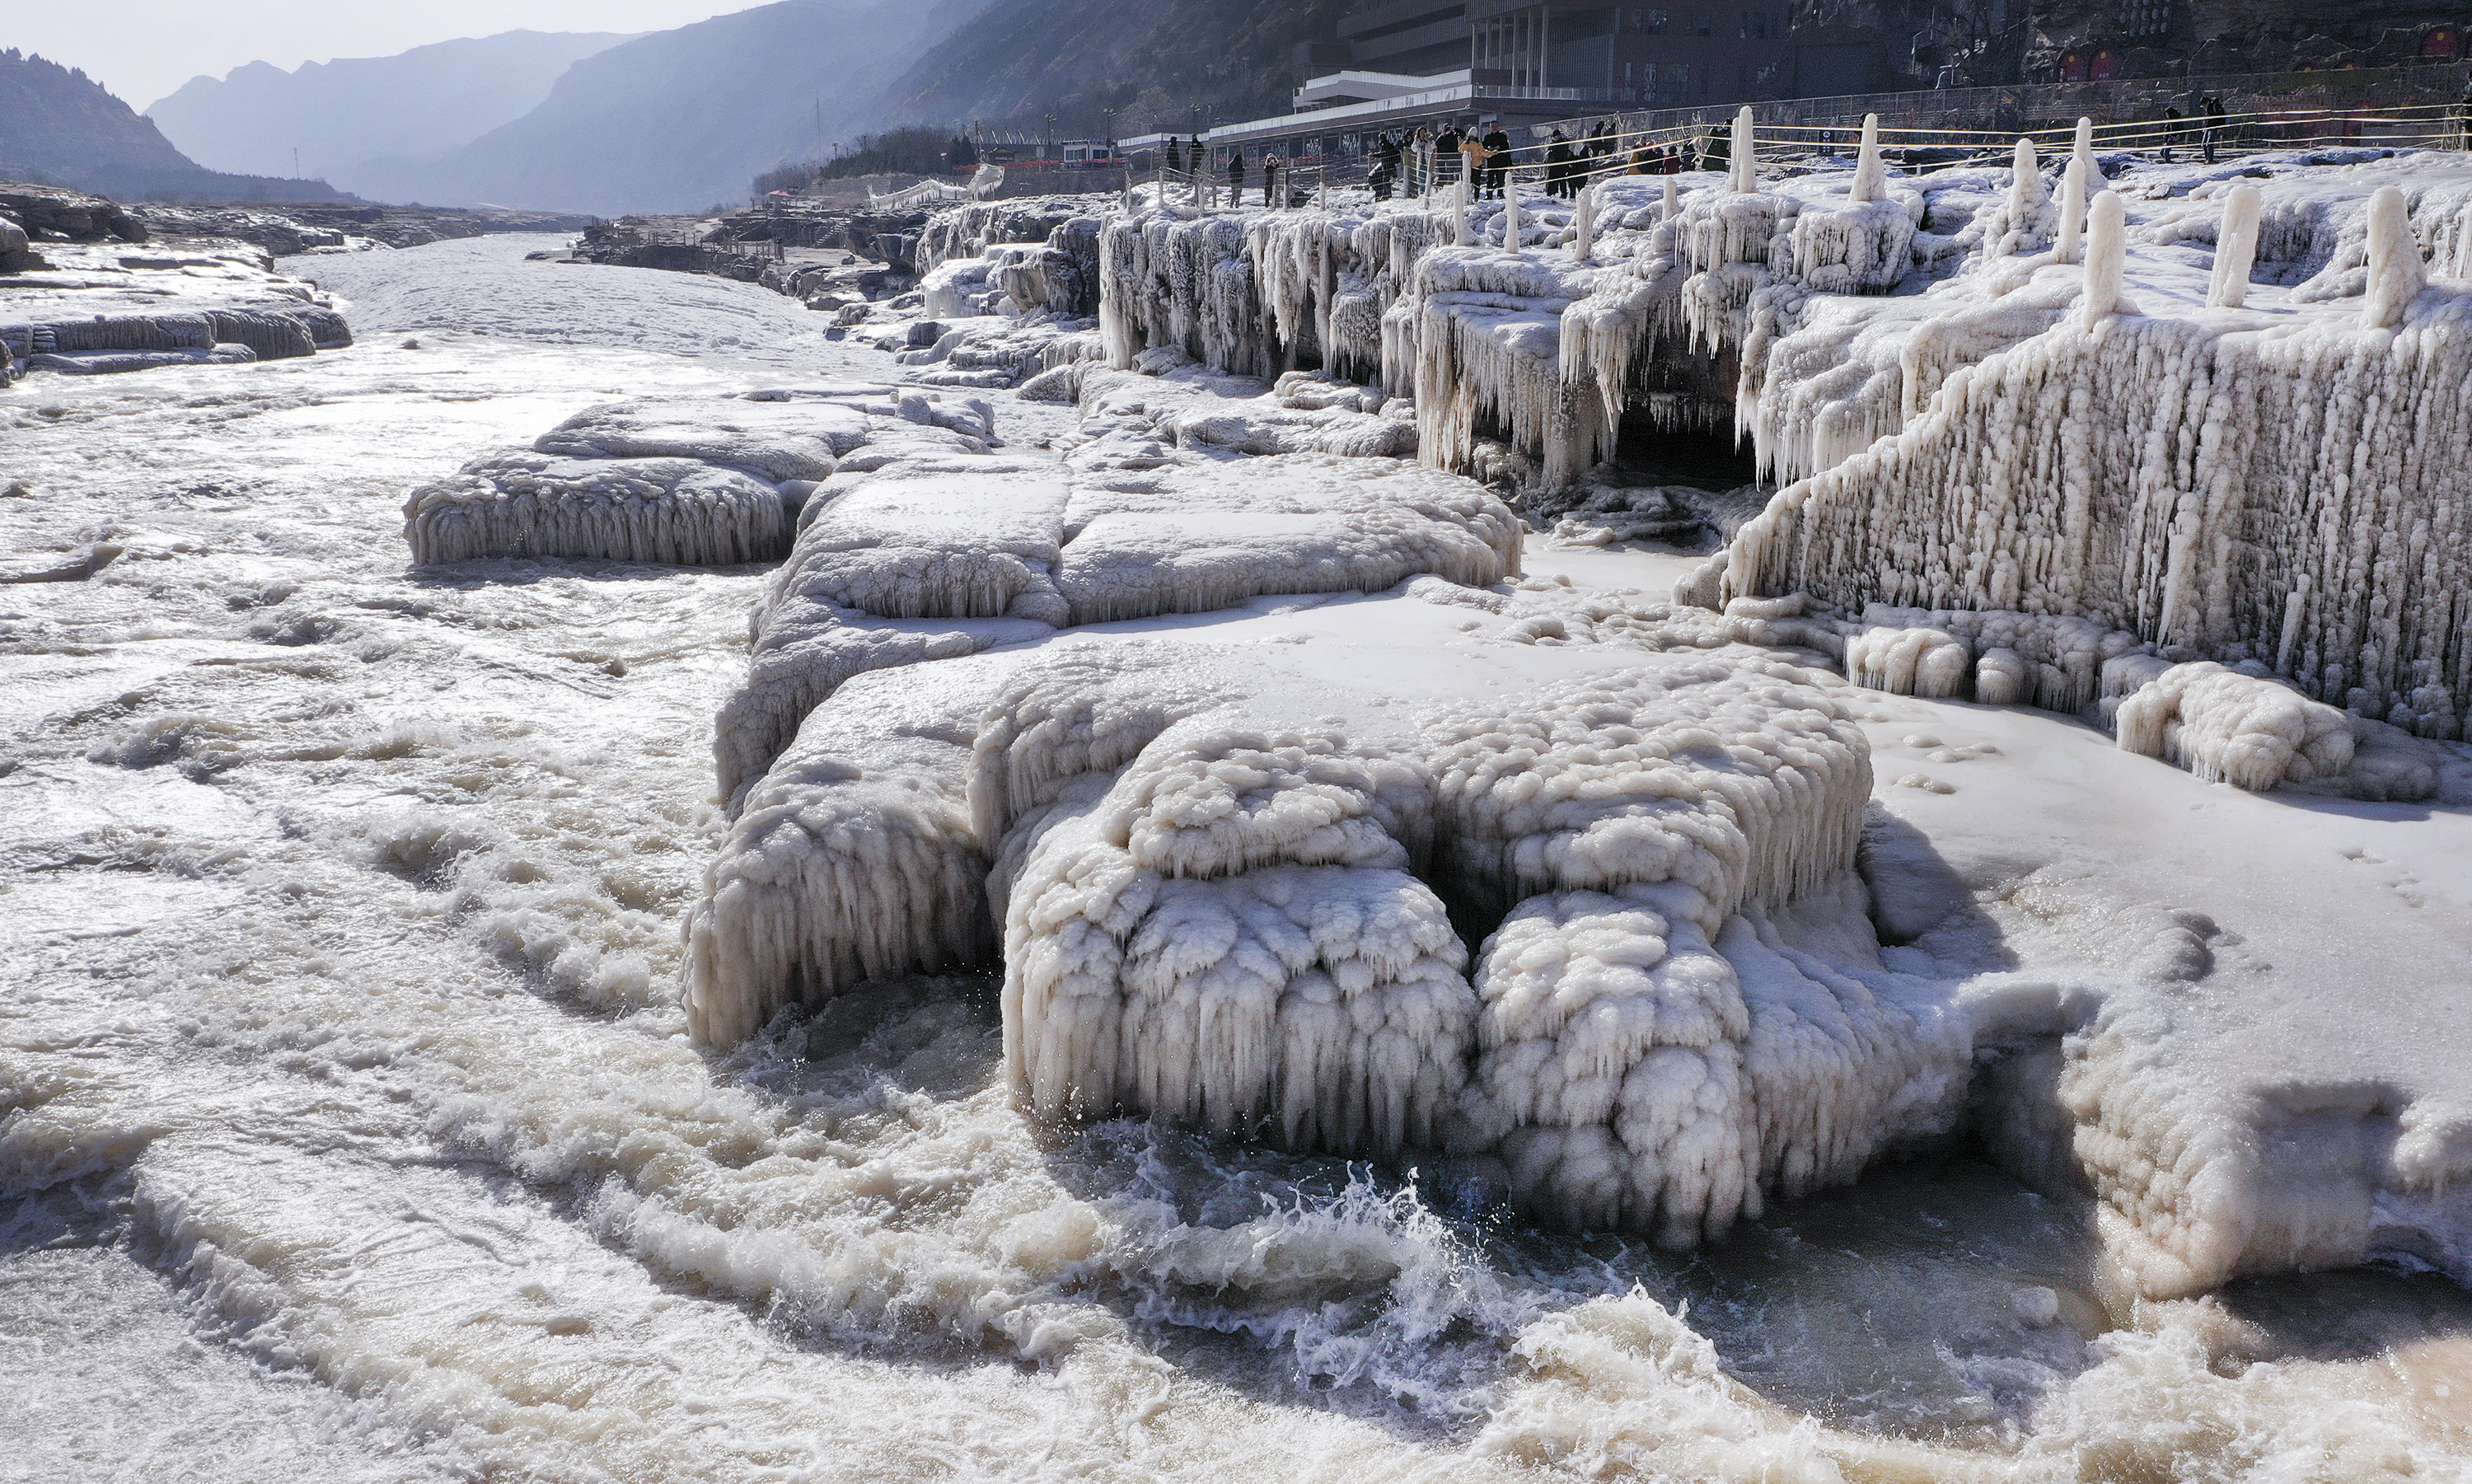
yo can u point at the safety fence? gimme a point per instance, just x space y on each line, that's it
1418 168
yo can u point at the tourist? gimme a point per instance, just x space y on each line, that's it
1446 156
1269 179
2211 107
1558 165
1497 148
2171 131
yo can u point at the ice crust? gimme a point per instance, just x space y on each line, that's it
772 441
933 554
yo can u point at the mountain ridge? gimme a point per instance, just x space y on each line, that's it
679 119
59 126
355 119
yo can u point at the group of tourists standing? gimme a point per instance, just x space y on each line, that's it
1571 164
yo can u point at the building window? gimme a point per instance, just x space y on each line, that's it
1657 22
2101 69
2146 17
2072 67
2440 42
1701 25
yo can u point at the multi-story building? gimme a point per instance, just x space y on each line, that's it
1659 56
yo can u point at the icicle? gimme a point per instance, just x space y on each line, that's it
1870 172
1511 218
2073 205
2107 266
2396 272
2025 194
1583 245
1747 176
2235 249
1459 211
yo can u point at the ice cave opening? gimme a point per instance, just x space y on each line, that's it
1652 447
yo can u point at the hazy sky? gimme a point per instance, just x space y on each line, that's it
143 49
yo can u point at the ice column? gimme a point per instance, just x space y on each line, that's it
1673 200
1871 172
1583 247
2073 205
2082 151
1510 217
2396 272
2107 266
2235 249
2025 192
1747 176
1459 211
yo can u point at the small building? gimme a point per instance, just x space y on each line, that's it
1088 154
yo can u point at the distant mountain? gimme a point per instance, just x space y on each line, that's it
356 120
680 120
59 126
1080 58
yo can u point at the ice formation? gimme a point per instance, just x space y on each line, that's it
2227 726
1229 880
931 554
1239 905
1171 410
107 343
776 441
2024 435
670 511
675 480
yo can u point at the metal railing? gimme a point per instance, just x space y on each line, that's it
1674 148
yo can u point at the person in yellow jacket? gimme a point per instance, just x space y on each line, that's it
1473 150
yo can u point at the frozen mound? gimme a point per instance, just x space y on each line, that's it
1234 866
2230 727
1188 540
772 441
1171 410
854 859
1652 1075
931 555
110 343
674 511
1998 657
957 537
618 481
999 350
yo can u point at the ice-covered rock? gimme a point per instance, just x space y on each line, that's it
773 440
524 504
944 543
